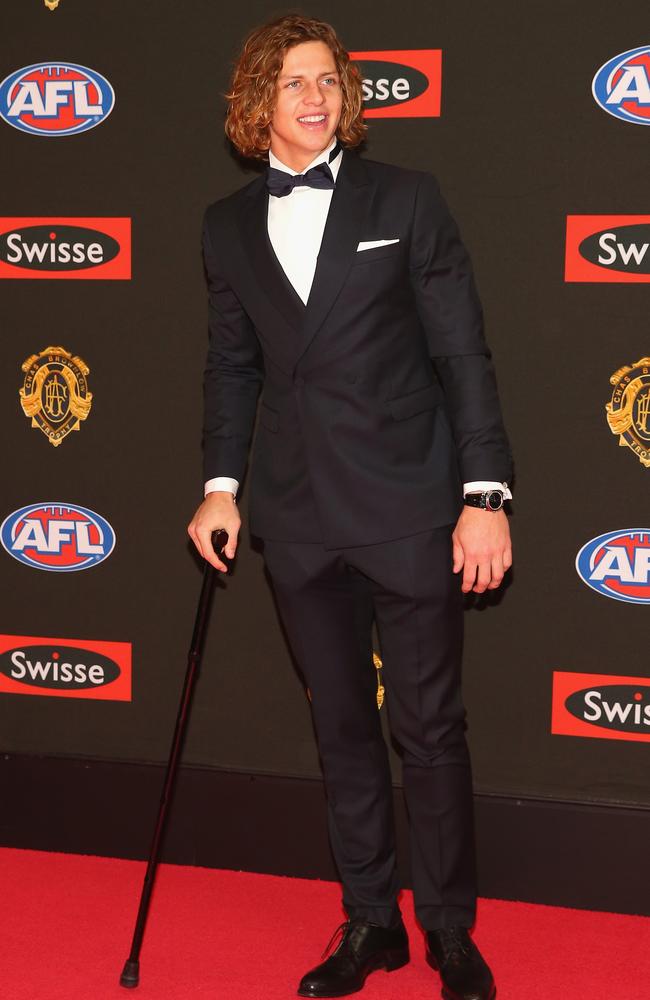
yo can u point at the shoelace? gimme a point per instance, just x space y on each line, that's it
341 929
345 930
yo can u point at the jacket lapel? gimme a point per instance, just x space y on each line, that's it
347 212
265 265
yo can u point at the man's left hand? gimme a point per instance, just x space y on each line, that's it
482 548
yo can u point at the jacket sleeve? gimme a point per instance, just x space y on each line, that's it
233 375
452 318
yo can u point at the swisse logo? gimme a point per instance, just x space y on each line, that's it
65 248
69 249
65 667
601 706
607 248
401 84
52 668
617 565
617 706
58 537
622 86
53 99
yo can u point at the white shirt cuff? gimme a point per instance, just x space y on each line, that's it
481 486
226 484
221 483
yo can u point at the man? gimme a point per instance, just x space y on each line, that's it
341 287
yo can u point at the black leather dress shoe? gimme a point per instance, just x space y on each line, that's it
363 948
464 972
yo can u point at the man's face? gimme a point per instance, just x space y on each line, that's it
308 105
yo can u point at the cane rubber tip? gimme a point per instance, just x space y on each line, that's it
130 975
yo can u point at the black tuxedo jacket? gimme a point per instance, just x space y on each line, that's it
379 396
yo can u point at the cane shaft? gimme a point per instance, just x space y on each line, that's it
193 660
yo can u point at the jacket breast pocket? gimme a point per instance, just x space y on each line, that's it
394 250
416 402
269 418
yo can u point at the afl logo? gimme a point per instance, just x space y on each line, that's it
622 86
617 565
57 536
55 99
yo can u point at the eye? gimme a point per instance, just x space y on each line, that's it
331 80
291 83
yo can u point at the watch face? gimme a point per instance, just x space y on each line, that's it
495 500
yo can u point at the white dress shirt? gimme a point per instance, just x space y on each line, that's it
296 224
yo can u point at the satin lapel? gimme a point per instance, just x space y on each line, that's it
348 210
265 265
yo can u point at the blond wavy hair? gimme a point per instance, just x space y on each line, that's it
252 94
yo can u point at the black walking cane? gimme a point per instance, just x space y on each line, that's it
131 972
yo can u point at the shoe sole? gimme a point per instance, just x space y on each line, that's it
390 962
444 993
450 996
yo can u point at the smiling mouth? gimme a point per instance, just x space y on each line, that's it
313 121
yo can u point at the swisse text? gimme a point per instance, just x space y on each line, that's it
383 89
63 248
387 83
56 253
65 667
619 707
621 249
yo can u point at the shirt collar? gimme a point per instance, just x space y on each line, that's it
321 158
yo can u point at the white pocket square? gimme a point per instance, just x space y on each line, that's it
371 244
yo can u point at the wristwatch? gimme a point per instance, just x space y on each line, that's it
489 500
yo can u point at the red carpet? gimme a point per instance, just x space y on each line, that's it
66 925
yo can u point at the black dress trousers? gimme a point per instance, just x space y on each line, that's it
326 599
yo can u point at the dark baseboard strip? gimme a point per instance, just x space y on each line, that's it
563 854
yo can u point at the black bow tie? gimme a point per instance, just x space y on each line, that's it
280 183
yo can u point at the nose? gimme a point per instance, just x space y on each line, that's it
313 94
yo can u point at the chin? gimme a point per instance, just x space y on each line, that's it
314 140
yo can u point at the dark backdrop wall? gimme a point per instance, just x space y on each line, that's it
519 145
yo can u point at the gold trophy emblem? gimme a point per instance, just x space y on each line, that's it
55 392
628 412
51 4
381 690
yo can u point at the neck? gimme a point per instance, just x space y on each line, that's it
297 159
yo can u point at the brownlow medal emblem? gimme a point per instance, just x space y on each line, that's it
55 392
51 4
628 412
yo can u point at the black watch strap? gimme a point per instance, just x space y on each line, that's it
488 500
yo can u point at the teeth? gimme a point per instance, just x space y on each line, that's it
312 118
